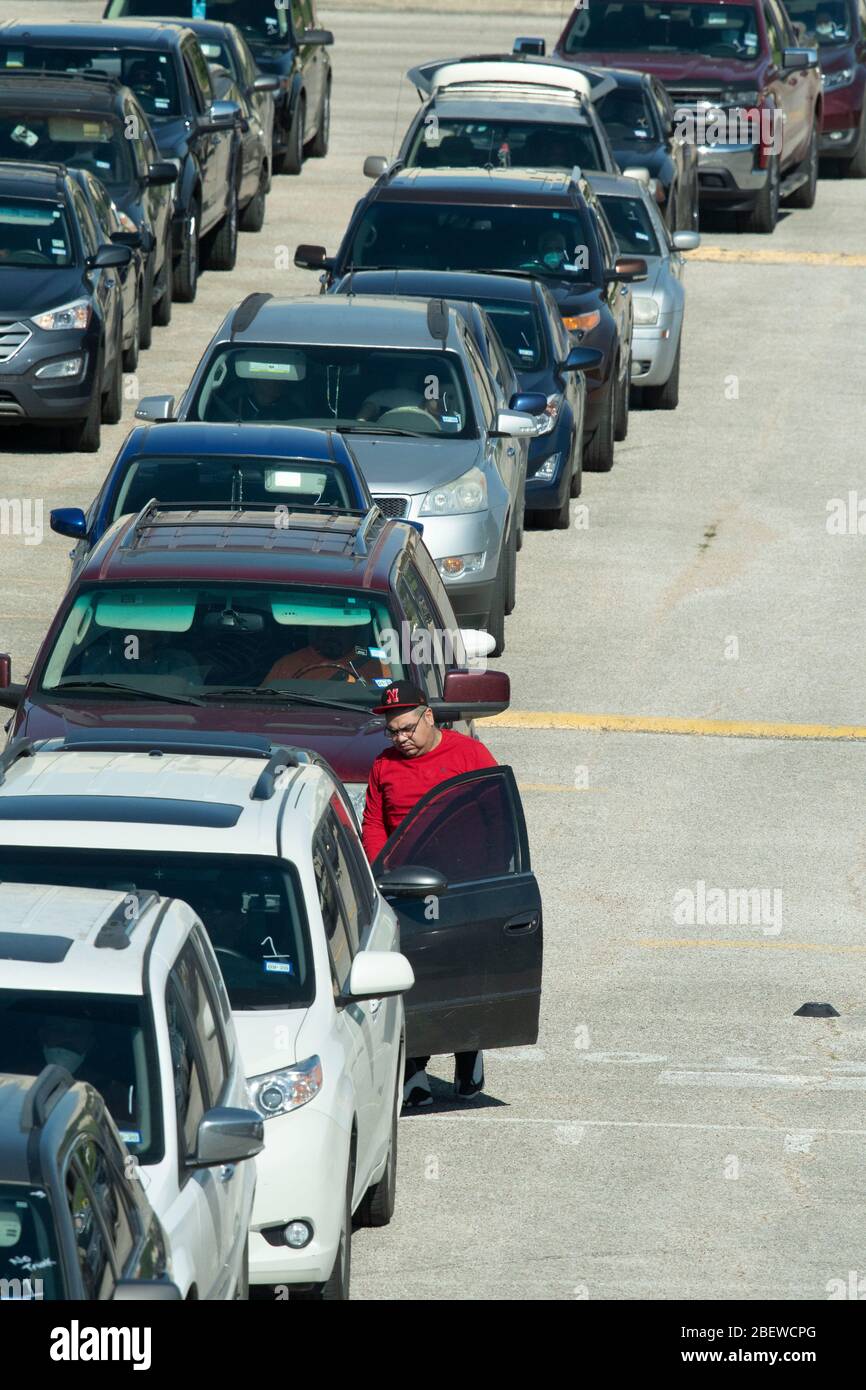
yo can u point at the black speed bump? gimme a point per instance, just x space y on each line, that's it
813 1010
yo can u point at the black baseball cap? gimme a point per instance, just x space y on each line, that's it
402 695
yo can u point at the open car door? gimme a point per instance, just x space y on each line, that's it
476 949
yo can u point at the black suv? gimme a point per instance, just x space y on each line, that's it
516 222
61 306
164 66
93 123
75 1223
284 40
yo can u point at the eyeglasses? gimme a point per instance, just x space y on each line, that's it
408 730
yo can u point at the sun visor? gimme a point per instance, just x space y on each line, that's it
157 613
289 367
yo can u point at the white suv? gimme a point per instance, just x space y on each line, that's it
124 991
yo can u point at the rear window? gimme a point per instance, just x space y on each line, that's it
81 142
504 145
236 481
150 74
520 331
34 234
631 226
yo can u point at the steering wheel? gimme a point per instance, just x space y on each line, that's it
329 666
32 258
411 416
228 951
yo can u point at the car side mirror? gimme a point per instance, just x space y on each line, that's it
134 240
477 643
581 359
533 45
686 241
147 1291
223 115
313 258
108 257
375 166
799 58
264 83
528 402
411 881
68 521
514 424
161 173
321 37
636 171
155 408
375 974
227 1134
627 269
472 695
10 695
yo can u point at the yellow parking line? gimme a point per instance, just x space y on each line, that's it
752 945
662 724
770 256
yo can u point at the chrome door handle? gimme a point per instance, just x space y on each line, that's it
227 1172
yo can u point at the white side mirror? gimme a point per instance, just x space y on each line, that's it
686 241
515 423
375 166
377 973
634 172
477 642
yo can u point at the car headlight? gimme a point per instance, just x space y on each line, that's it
278 1092
547 422
582 323
466 494
831 80
76 314
646 310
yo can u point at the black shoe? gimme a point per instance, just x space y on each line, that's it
416 1091
470 1086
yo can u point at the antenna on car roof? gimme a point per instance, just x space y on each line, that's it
437 319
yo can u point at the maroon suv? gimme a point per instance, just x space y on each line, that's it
746 93
288 627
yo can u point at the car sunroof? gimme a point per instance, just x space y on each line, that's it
33 946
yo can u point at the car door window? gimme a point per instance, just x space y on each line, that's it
423 635
479 371
112 1202
202 92
88 227
499 369
662 108
102 204
773 36
189 1087
94 1262
446 619
339 946
609 246
188 978
783 27
467 828
334 849
359 867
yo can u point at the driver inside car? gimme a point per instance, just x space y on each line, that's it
331 653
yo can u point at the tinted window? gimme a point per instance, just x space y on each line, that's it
334 850
774 36
201 72
28 1245
339 945
467 831
428 647
34 234
260 20
189 980
626 118
151 75
631 226
633 26
237 481
520 332
81 142
823 23
86 221
189 1087
106 1186
359 868
457 144
97 1275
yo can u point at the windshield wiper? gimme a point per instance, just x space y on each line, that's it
375 429
132 690
278 696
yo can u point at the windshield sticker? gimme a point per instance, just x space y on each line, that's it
525 352
373 651
382 681
22 136
279 967
130 1136
161 103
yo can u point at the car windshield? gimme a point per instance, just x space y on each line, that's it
824 24
375 389
29 1259
625 117
198 641
632 26
106 1039
445 143
34 234
631 226
442 236
253 912
150 74
259 20
277 483
520 330
82 142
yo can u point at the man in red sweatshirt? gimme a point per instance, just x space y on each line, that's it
422 756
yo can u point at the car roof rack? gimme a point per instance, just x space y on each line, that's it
157 742
288 756
361 546
247 310
437 319
149 516
116 931
50 1086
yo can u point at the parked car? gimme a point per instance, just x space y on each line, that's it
267 466
659 303
549 225
123 987
719 62
837 28
164 66
505 113
76 1221
285 40
131 276
263 843
94 123
61 307
530 333
437 442
255 152
194 619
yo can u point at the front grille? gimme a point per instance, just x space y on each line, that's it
392 506
13 336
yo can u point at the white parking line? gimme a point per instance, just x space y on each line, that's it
636 1124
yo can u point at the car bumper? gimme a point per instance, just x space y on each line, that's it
653 349
840 124
474 533
24 396
301 1175
548 493
727 176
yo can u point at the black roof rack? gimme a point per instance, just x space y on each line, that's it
247 310
149 518
116 931
281 758
50 1086
373 515
437 319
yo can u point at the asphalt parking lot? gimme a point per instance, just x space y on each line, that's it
677 1132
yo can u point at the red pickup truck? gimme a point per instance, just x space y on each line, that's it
745 92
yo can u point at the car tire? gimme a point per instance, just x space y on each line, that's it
804 196
130 354
221 252
665 397
161 312
511 576
293 156
378 1203
598 454
318 146
112 400
145 311
336 1287
620 424
765 214
577 470
253 216
855 167
496 617
185 281
242 1291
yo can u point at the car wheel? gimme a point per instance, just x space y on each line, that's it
293 157
336 1289
112 400
253 215
377 1205
130 354
318 147
222 247
85 436
242 1291
620 425
665 397
765 214
804 196
855 167
577 470
496 617
511 576
186 270
145 310
162 308
598 454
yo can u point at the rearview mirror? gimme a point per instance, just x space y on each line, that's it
515 425
227 1134
411 881
581 359
161 173
108 257
313 258
68 521
528 402
375 166
155 408
686 241
375 974
472 695
627 269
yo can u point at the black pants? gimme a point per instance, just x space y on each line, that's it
464 1061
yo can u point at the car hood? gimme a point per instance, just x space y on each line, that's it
393 464
348 741
655 276
28 290
258 1032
